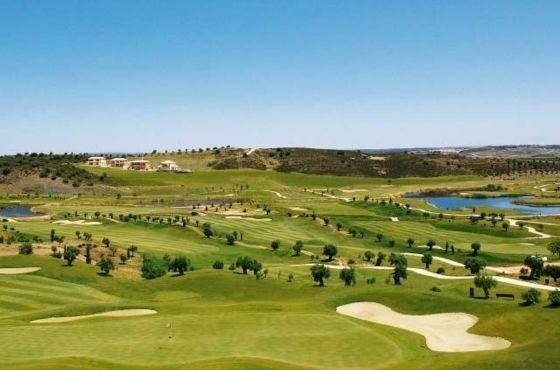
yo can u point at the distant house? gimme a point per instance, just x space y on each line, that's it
139 165
118 163
169 166
97 161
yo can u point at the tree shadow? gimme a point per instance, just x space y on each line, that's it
100 273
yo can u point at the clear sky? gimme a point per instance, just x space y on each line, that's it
100 76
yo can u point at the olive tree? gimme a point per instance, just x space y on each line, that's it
320 273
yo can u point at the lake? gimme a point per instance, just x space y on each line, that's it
505 203
19 210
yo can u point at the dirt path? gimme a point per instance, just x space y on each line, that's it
278 194
444 332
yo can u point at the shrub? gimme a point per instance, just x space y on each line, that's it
435 289
290 278
370 280
554 298
532 296
218 265
26 248
231 267
153 267
440 270
351 261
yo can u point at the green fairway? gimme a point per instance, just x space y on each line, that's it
221 319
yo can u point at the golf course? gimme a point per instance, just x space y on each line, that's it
260 269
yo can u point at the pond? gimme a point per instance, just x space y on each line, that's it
506 203
19 210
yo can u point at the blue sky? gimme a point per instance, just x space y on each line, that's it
101 76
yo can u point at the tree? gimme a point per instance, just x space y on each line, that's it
427 259
338 226
505 226
552 271
380 258
113 249
275 244
123 258
330 251
430 243
475 248
485 282
554 247
70 254
368 255
256 266
106 264
245 263
53 234
179 264
348 275
153 267
26 248
531 297
379 237
410 242
298 247
132 249
400 263
536 264
106 241
475 264
78 234
88 254
218 265
320 273
207 230
230 239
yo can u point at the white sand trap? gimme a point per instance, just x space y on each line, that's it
299 209
78 222
119 313
444 332
352 190
249 218
18 270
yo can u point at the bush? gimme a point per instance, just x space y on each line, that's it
435 289
231 267
218 265
26 248
532 296
440 270
351 261
153 267
370 280
290 278
554 298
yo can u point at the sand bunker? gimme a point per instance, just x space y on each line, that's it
352 190
18 270
248 218
119 313
444 332
78 222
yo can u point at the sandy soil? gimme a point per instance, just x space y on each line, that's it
119 313
444 332
18 270
78 222
249 218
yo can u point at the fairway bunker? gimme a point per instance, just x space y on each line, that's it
78 222
18 270
119 313
444 332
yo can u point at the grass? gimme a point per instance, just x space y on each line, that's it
218 319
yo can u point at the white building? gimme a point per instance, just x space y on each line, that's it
97 161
